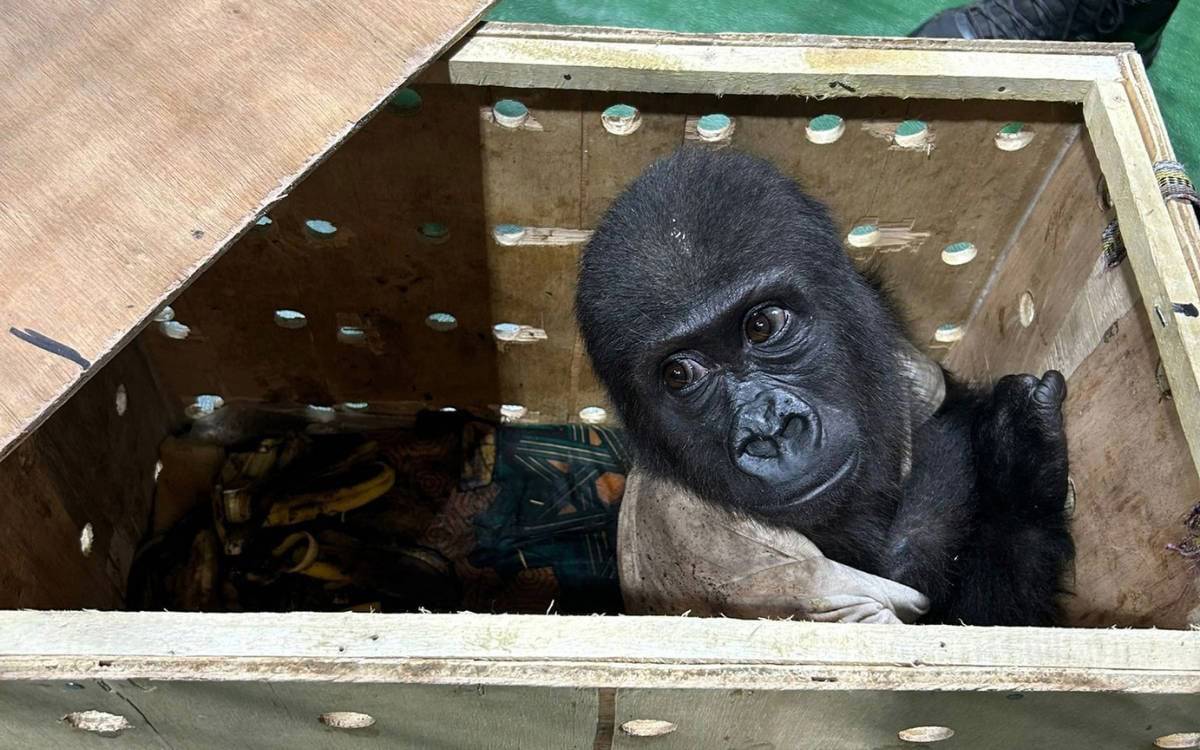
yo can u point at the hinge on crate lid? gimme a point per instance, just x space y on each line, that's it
1174 184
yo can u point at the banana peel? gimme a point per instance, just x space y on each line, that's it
372 482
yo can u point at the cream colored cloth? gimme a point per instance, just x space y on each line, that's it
678 553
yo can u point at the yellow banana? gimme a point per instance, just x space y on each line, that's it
305 507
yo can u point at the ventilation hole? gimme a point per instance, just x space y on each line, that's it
506 331
204 405
959 253
320 228
593 414
347 720
73 686
290 319
825 129
263 222
948 333
448 409
510 113
158 467
512 412
87 537
508 234
121 400
406 101
441 321
925 734
432 231
621 119
1025 309
173 329
165 315
355 405
648 727
318 413
1179 741
354 335
911 133
863 235
713 127
1013 137
99 722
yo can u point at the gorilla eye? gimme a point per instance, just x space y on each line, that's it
765 323
678 374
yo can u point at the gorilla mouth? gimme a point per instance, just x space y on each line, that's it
846 469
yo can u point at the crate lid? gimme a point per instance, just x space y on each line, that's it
139 138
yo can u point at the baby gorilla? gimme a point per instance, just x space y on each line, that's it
751 363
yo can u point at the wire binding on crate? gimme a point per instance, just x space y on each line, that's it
1174 184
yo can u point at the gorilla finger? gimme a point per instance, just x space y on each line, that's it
1015 387
1051 390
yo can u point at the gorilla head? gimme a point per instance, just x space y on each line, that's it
747 357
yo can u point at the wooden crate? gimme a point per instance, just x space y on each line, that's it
100 233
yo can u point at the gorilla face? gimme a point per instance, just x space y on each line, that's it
748 359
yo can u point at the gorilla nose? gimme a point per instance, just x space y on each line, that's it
773 429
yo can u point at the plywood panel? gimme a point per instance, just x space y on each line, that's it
89 464
853 720
287 715
141 136
1051 256
1134 487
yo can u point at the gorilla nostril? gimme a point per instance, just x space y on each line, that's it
762 448
793 427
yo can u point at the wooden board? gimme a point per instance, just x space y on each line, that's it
534 56
554 651
89 464
140 137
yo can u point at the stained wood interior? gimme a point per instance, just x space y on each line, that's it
1033 215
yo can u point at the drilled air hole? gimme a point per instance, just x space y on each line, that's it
320 413
959 253
434 232
121 400
353 335
204 405
442 322
825 129
1014 136
863 235
263 222
87 537
911 134
320 228
948 333
648 727
621 119
593 415
98 722
510 113
1026 310
1180 741
925 734
354 405
508 234
173 329
291 319
406 101
347 720
512 412
714 127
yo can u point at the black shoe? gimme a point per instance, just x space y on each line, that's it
1138 21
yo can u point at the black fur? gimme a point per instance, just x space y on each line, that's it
704 239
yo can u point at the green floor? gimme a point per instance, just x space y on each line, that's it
1175 74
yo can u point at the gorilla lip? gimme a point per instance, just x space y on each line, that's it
847 468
